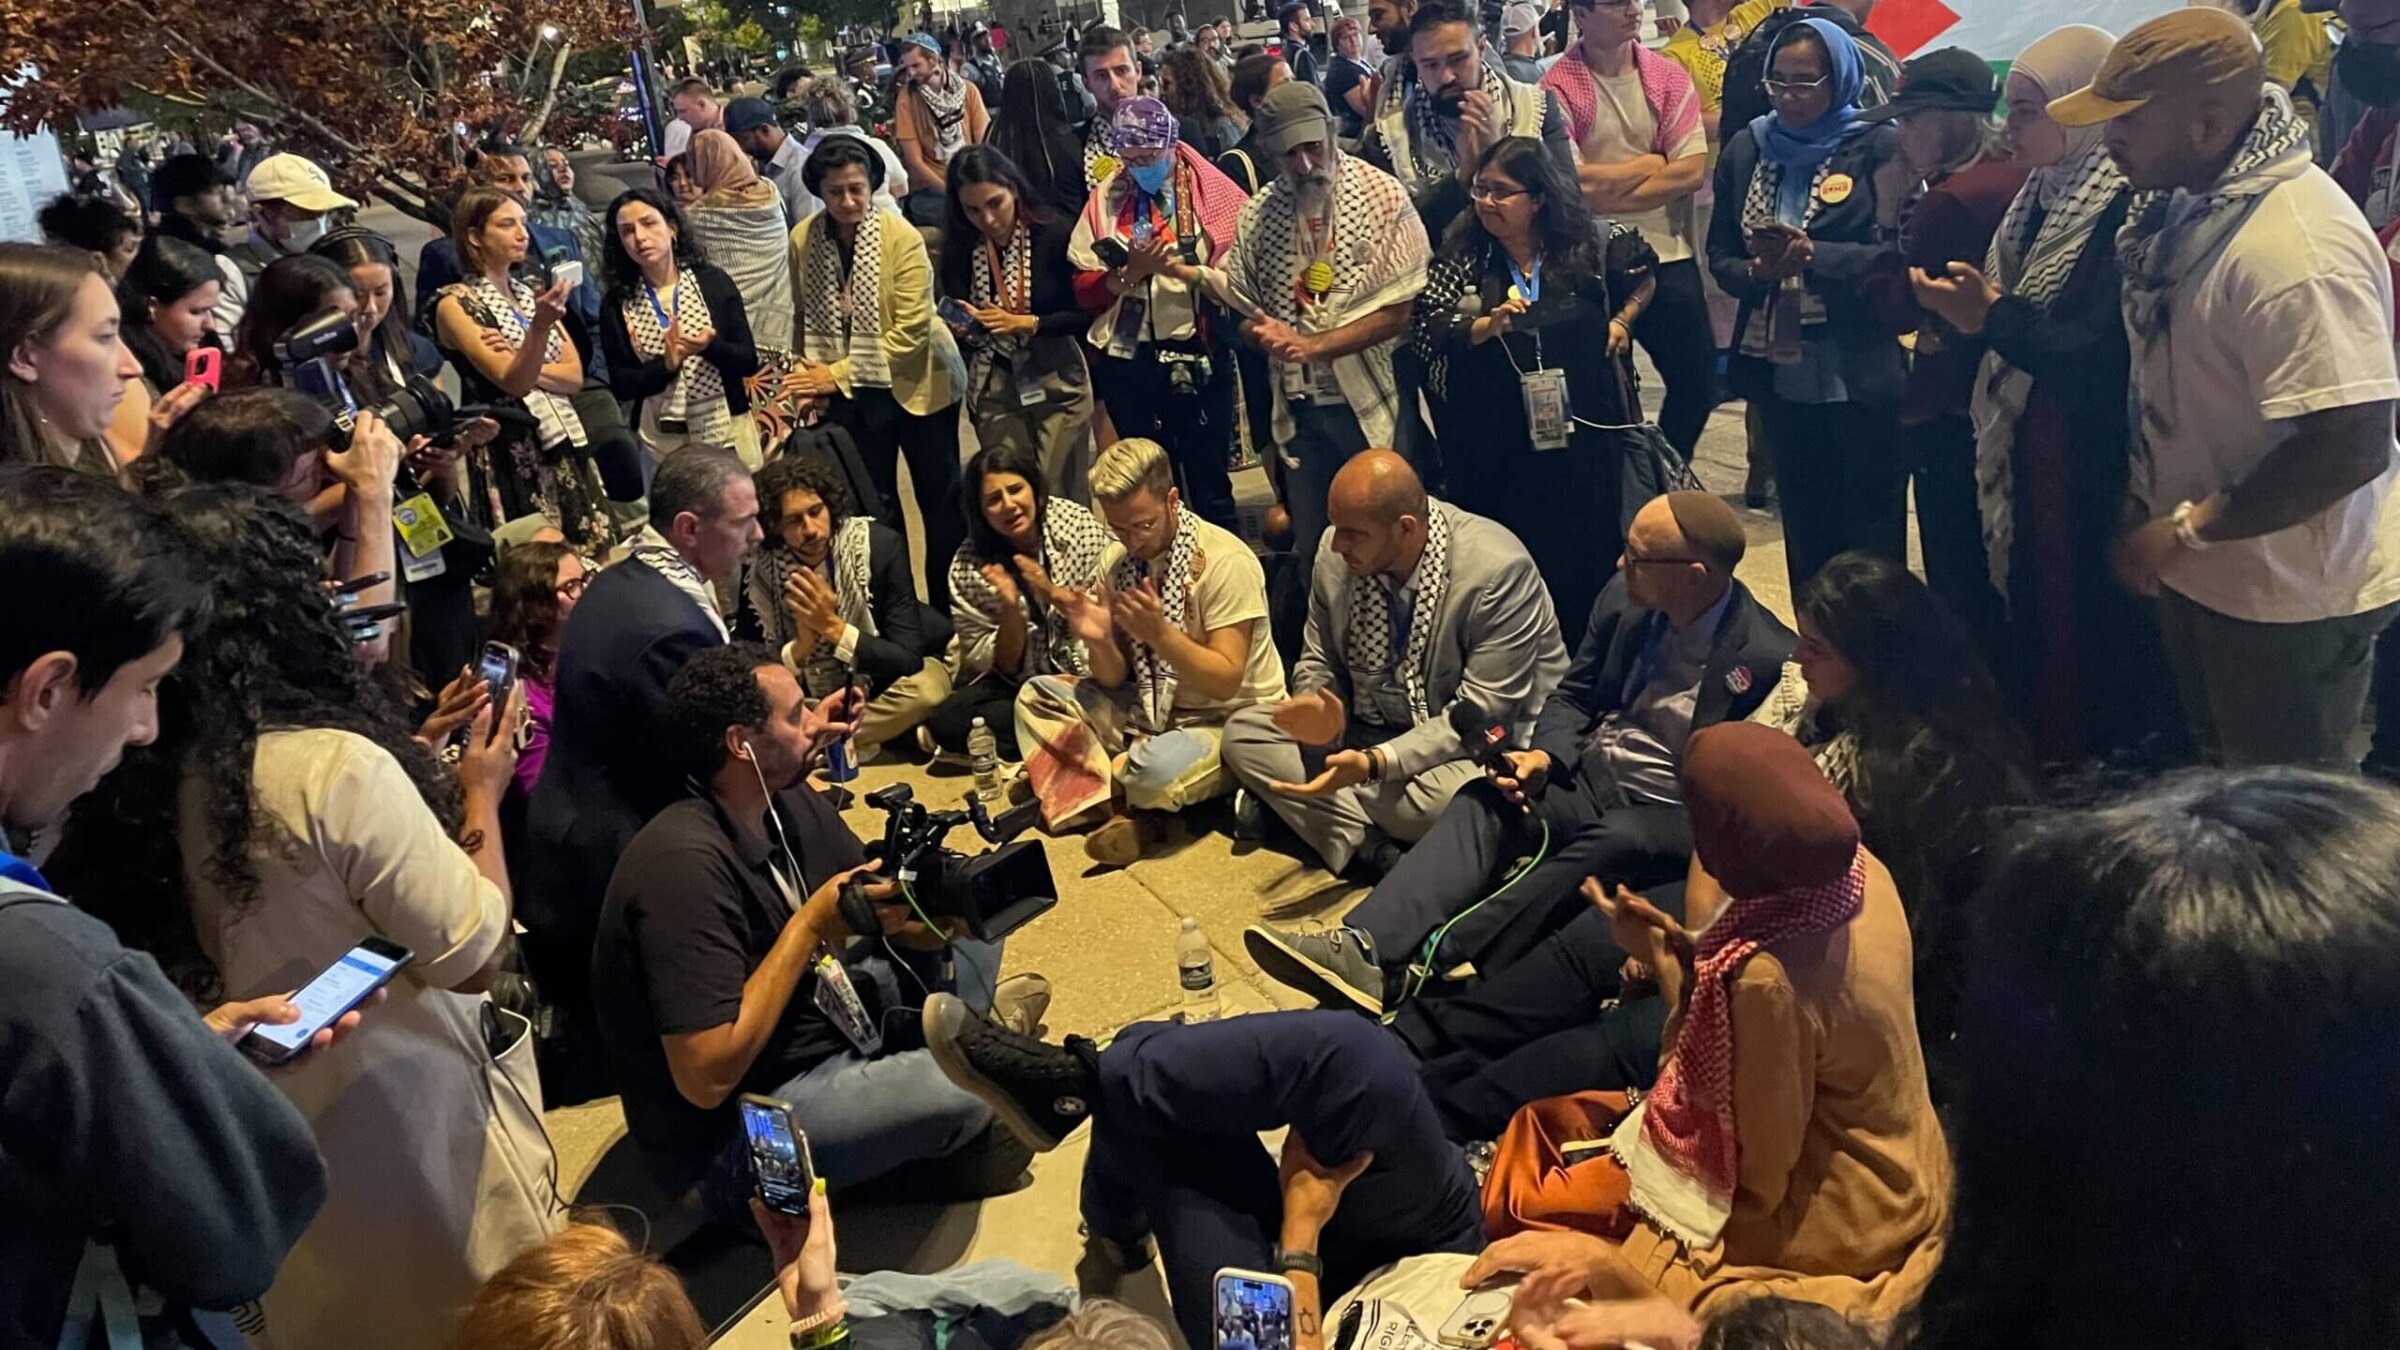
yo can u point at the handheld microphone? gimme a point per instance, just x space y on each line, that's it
1485 737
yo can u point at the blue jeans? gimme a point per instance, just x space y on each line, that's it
1323 440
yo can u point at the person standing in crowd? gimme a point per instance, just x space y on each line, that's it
334 825
1024 544
1032 131
2263 462
2298 47
168 301
1111 77
888 370
1704 44
290 202
1248 164
1748 69
1418 608
696 109
832 110
194 202
139 1142
940 114
68 372
738 226
677 333
509 167
1328 262
95 225
633 629
241 155
533 596
726 964
1459 106
1161 363
1676 644
1820 364
830 590
1196 91
1521 42
1349 80
1959 180
508 344
1560 485
2048 411
1636 119
290 292
751 122
1177 639
1296 27
1004 259
556 205
391 352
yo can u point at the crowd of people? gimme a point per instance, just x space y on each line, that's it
1718 980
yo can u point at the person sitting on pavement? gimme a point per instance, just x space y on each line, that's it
1676 643
1365 1177
724 964
1416 607
832 591
1023 543
1177 638
1790 1146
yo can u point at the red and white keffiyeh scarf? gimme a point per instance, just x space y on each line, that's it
1680 1147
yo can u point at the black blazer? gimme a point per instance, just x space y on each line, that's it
1053 290
611 766
632 377
1745 659
1846 243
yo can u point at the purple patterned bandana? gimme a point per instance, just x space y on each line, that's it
1143 124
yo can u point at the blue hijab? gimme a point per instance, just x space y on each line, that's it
1799 150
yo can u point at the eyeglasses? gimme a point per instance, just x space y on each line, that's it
1492 195
1778 88
572 587
1632 561
1631 5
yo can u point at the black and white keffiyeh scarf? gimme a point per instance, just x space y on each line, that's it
1758 212
1174 576
651 550
554 415
946 108
1433 137
1012 290
843 316
1072 541
2166 234
2034 254
1370 634
696 396
771 565
1099 144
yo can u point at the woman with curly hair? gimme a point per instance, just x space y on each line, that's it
284 815
1195 88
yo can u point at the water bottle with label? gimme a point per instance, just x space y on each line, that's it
983 751
1196 970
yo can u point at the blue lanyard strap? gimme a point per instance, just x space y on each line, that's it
18 870
1528 283
666 317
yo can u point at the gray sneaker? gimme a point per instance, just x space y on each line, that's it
1334 965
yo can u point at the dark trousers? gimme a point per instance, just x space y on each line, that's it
1196 428
1676 332
2383 755
885 431
615 452
992 698
1175 1152
1840 482
1940 458
1539 1027
1445 879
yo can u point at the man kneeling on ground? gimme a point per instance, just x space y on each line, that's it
834 591
724 965
1415 607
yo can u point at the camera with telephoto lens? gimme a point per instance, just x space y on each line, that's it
307 349
993 893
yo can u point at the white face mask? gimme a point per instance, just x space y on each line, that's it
300 237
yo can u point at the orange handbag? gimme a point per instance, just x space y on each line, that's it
1534 1185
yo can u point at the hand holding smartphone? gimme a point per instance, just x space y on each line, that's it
779 1155
203 365
498 668
342 986
1253 1310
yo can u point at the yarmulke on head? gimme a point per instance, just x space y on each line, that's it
1711 527
1764 818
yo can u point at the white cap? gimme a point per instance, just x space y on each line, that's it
1521 17
291 178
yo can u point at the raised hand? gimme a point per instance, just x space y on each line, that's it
1314 718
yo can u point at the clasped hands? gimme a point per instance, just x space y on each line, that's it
1096 614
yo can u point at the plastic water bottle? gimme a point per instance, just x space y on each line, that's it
983 750
1196 970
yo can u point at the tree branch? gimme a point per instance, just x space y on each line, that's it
532 134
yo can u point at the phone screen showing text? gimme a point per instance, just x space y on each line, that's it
1253 1315
781 1180
329 996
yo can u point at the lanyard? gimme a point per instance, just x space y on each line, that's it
1528 284
666 313
1004 282
16 869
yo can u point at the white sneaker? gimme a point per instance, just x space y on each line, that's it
1020 1001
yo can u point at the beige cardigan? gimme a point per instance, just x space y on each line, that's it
1844 1190
927 372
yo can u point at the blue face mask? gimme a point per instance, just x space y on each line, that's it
1151 177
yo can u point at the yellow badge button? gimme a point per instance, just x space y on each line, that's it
1103 167
1836 189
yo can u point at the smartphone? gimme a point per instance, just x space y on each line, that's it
957 315
570 272
778 1154
346 983
202 365
498 668
345 593
1478 1320
1254 1310
365 624
1111 252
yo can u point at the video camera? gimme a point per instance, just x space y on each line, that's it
307 349
993 893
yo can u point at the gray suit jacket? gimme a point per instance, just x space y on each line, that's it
1496 641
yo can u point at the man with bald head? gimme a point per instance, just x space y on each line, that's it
1415 606
2260 311
1675 644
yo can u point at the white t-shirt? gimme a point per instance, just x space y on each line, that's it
1231 589
2293 315
1623 128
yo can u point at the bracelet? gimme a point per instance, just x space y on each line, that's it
823 1336
2184 533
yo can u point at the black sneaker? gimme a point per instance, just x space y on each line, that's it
1040 1091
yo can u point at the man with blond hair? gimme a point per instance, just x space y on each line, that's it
1177 637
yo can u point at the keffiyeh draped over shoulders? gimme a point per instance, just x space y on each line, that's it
1072 541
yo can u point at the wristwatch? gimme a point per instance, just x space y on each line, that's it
1287 1259
2184 533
